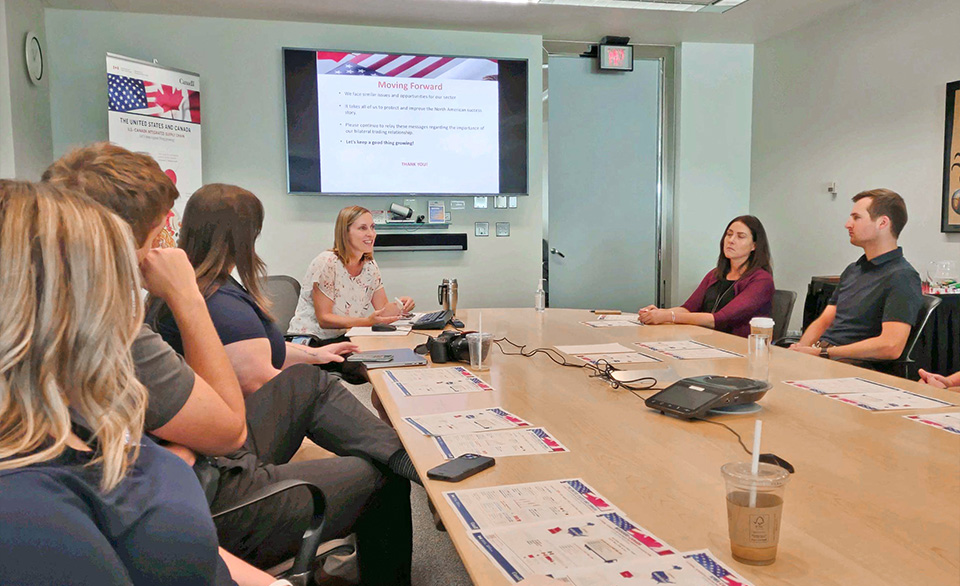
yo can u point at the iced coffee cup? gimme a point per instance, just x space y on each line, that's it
754 508
762 326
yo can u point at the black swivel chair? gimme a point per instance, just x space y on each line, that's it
301 569
284 293
783 302
901 366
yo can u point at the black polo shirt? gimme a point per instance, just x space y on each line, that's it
871 292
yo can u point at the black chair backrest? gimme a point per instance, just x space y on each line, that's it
930 302
284 293
783 302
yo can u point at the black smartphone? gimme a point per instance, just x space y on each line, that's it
459 468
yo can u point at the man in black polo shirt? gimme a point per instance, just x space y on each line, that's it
879 298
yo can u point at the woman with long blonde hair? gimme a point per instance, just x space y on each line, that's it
342 287
85 498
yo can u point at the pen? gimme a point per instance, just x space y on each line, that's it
399 303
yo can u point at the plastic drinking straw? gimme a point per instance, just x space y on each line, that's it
755 463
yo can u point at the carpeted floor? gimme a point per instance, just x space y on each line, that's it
435 561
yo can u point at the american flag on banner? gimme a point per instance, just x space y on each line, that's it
706 561
137 96
409 66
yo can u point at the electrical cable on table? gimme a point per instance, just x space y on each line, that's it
603 370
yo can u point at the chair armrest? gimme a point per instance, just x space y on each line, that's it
876 363
785 341
311 537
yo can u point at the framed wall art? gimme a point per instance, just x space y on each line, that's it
950 217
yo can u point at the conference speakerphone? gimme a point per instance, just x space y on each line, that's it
693 397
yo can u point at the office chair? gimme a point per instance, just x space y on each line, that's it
301 569
284 293
783 302
901 366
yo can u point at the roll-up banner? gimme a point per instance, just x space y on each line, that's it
156 110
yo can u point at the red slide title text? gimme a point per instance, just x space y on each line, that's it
396 85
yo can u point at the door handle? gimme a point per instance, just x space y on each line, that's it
557 252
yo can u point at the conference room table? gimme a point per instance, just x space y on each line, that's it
875 498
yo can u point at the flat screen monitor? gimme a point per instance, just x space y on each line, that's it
387 124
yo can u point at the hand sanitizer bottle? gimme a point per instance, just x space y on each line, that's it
540 301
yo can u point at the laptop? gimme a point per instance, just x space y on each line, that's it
401 357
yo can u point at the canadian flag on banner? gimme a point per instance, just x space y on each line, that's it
138 96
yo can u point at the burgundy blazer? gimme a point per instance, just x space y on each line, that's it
753 297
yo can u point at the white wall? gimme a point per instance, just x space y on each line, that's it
713 154
857 98
7 162
26 148
239 62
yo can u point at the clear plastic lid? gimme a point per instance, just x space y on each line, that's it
768 475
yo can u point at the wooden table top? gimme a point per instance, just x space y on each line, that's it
875 498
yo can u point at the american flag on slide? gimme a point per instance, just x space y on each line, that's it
138 96
409 66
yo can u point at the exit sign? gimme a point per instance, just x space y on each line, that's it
616 57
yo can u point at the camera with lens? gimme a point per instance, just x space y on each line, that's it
448 347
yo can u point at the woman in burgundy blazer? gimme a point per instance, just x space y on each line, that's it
740 288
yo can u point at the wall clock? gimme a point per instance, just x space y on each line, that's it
33 53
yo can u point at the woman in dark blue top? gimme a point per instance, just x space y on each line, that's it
220 226
84 504
288 401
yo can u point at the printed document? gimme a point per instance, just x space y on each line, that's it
949 422
554 547
621 358
838 386
593 349
718 573
618 317
688 350
435 381
509 442
533 502
889 400
614 321
702 568
475 420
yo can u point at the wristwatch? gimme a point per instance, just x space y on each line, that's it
824 353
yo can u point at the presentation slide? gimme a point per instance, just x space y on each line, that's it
408 124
